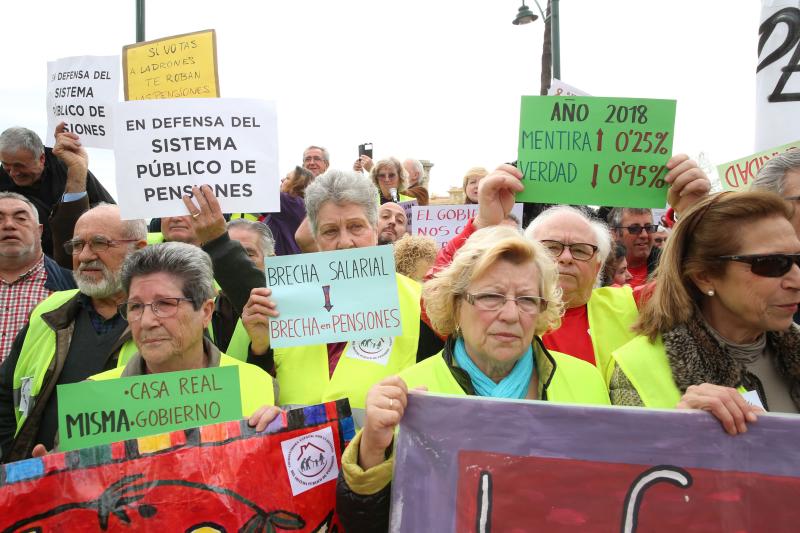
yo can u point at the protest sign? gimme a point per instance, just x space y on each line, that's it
443 222
345 295
595 151
407 207
163 147
224 477
658 215
559 88
777 78
467 464
139 406
81 92
739 175
181 66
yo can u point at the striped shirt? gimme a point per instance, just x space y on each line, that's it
17 300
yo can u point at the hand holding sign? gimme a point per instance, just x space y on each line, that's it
70 151
496 195
255 318
688 183
385 405
725 403
207 218
263 416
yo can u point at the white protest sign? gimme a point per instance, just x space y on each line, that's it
163 147
443 222
82 92
658 214
777 74
559 88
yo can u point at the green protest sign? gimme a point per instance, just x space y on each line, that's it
739 175
595 151
100 412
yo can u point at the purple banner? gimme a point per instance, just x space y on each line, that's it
480 465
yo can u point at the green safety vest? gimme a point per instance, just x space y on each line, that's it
155 238
646 366
302 371
256 387
37 355
573 381
612 311
247 216
239 344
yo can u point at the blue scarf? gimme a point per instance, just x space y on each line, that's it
513 386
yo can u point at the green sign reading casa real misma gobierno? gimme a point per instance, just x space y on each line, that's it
91 413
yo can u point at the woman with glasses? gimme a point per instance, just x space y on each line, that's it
493 301
391 179
719 324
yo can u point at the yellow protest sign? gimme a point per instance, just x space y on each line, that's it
181 66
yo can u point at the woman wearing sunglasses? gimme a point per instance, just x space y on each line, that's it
719 324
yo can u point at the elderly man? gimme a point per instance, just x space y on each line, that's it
71 335
44 176
391 223
634 229
170 302
316 160
27 276
415 172
597 321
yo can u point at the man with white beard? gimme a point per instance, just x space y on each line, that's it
71 335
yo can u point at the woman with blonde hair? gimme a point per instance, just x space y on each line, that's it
391 179
493 302
470 185
719 323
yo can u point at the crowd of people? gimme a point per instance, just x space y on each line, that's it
594 306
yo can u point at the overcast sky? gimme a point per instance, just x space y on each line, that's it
437 80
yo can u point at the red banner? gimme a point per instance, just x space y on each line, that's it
223 477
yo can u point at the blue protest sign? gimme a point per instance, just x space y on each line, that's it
344 295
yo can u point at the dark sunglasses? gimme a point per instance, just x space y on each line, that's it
766 265
636 229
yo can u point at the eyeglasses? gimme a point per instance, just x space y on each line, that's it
766 265
162 308
636 229
659 240
96 244
387 177
580 251
792 198
310 158
489 301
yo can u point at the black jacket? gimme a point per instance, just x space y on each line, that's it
47 192
58 277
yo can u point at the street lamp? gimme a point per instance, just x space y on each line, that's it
525 15
552 45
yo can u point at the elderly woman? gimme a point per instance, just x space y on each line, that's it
343 214
391 179
720 320
470 185
493 301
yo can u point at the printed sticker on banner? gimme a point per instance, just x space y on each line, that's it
25 395
372 350
310 460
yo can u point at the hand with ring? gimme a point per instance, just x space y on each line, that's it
206 214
